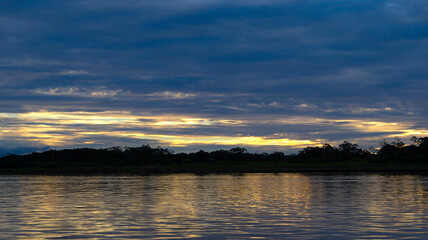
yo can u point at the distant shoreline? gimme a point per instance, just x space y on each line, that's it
347 158
223 169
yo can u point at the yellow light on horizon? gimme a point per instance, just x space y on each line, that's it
68 128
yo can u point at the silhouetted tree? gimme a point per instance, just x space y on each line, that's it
134 157
201 156
238 150
325 153
418 141
276 156
390 150
397 143
371 150
348 150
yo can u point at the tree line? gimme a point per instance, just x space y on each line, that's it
389 152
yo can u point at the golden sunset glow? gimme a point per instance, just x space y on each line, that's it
69 128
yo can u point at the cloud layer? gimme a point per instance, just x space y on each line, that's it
269 75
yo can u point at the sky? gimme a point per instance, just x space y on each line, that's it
186 75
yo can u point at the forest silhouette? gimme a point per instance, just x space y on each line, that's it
347 156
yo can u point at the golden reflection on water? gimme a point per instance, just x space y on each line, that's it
214 206
52 205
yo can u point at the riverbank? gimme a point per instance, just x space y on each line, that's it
204 168
146 160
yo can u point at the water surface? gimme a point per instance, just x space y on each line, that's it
177 206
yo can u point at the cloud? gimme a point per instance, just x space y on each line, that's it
56 129
74 72
202 62
171 95
306 106
371 110
100 93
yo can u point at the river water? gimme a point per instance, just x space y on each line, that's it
248 206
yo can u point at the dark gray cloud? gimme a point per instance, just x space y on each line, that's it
244 60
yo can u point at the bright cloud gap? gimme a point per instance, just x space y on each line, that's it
79 128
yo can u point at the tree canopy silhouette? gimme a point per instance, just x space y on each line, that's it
136 157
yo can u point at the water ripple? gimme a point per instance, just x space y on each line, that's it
186 206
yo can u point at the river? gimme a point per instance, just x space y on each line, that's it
188 206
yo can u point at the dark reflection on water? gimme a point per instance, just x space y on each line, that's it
271 206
